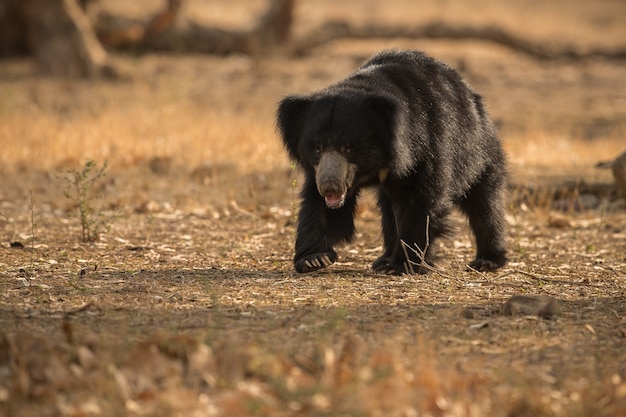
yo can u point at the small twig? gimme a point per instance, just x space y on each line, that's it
481 273
421 253
408 264
436 270
32 229
539 278
617 315
239 210
519 271
506 274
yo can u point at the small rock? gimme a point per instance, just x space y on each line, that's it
147 207
558 222
467 313
542 306
208 171
587 202
583 202
472 312
23 282
161 165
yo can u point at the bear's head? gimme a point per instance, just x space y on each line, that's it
344 138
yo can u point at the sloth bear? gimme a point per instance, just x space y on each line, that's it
412 128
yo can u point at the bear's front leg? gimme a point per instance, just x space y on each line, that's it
320 228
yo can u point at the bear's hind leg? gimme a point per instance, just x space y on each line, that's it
484 208
389 230
415 231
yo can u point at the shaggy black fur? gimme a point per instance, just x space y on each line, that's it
413 128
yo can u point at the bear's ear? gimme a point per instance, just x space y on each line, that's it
290 121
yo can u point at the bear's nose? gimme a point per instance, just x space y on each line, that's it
331 174
329 185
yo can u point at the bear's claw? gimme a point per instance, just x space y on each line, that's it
314 262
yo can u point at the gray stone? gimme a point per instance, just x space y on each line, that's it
542 306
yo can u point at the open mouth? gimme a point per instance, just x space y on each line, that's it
334 201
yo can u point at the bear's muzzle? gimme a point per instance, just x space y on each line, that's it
334 175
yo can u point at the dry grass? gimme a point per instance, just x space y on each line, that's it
189 304
192 133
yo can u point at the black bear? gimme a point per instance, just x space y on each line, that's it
414 129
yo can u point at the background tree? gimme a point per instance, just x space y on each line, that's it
57 33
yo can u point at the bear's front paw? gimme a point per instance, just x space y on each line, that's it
315 261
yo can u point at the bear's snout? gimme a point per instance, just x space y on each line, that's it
334 175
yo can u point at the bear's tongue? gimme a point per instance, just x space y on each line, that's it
334 200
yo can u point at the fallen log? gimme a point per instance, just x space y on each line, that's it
333 31
166 33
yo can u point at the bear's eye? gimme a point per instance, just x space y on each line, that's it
346 149
317 150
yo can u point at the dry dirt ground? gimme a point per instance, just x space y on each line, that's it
188 305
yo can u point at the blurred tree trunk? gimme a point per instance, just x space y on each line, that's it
167 32
12 29
57 33
63 40
61 37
